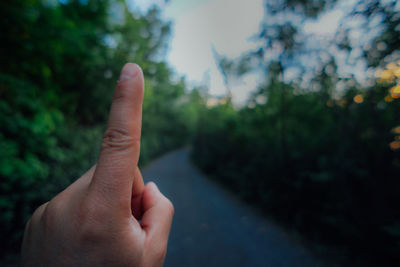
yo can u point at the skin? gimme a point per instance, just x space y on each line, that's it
108 217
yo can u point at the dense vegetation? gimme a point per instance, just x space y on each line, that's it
327 172
59 65
321 155
324 162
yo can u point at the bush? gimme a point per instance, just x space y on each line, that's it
322 168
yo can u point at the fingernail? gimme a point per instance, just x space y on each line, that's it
129 71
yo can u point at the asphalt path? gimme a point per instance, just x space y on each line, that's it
212 227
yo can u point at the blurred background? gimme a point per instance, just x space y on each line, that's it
294 106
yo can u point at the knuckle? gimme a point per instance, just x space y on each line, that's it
115 138
28 226
170 207
49 214
90 233
91 222
39 211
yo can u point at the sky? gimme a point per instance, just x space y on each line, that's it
225 25
198 26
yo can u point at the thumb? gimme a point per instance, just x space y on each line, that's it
157 214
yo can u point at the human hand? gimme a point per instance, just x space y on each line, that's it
107 217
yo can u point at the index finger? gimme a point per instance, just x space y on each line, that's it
113 178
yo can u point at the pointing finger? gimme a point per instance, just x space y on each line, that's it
119 155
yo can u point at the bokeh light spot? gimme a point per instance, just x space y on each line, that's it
358 99
388 98
395 91
396 130
395 145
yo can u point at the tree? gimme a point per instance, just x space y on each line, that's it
318 152
60 65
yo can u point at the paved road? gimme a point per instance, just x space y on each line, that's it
213 228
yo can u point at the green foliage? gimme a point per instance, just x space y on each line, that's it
324 168
323 161
320 163
61 62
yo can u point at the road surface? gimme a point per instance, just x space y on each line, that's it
212 227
